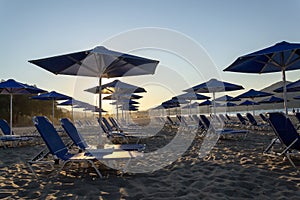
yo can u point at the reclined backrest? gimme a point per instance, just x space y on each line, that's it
241 118
284 129
114 122
5 127
107 124
50 136
73 133
252 120
263 117
205 121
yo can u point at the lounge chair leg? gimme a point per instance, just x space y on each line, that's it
33 172
96 169
290 160
270 145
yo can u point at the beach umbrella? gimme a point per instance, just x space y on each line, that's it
292 87
271 100
117 87
124 102
248 103
121 96
116 96
191 96
227 98
98 62
282 57
12 87
297 97
228 105
252 94
52 96
71 102
213 86
208 103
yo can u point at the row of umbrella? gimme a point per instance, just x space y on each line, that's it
12 87
214 86
103 63
280 57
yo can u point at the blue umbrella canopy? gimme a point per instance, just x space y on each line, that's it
172 103
116 96
124 102
229 104
292 87
213 86
116 86
12 87
205 103
248 103
191 96
98 62
253 94
227 98
271 99
297 97
53 96
282 57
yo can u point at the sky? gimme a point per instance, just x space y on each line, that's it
194 40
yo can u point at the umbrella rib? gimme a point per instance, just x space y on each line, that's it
82 64
293 62
271 61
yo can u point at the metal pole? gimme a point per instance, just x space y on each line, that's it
53 111
10 120
284 92
214 103
100 101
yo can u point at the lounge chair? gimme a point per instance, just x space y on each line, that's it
60 151
243 120
263 117
297 115
287 134
117 136
172 123
8 138
79 141
221 131
254 123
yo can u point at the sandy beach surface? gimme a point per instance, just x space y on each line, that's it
234 169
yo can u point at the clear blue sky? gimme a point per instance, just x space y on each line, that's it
34 29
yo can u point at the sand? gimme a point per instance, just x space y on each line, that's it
234 169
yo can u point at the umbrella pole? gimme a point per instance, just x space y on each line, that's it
284 92
214 104
190 107
53 111
72 113
253 107
10 120
100 99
